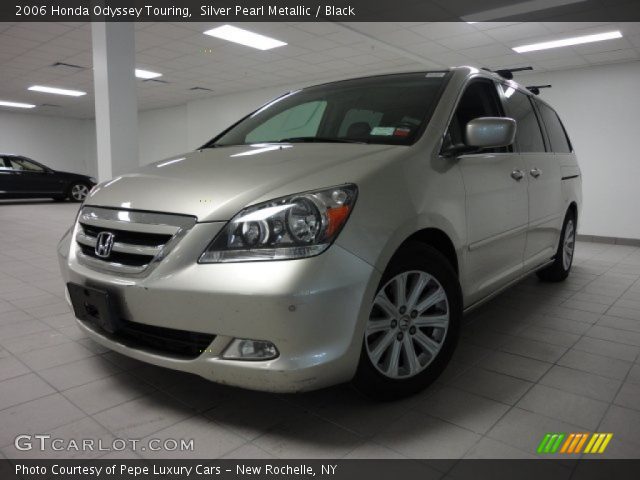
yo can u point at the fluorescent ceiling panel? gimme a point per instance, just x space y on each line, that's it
4 103
146 74
244 37
57 91
567 42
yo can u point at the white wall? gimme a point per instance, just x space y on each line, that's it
169 131
162 133
61 143
600 107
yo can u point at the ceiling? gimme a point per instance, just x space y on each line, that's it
315 52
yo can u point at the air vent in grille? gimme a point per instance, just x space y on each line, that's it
179 343
136 240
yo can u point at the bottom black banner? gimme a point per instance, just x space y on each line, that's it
319 469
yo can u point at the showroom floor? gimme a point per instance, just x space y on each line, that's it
540 358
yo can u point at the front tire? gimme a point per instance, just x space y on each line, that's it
78 191
413 326
560 268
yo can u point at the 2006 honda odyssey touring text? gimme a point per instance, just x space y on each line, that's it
336 234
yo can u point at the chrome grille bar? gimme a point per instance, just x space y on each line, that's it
140 240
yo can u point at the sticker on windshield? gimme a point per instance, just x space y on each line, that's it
402 132
382 131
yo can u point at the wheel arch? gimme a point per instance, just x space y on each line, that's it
436 238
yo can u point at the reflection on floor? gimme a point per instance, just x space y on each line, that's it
539 358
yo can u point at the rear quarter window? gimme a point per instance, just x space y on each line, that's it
555 130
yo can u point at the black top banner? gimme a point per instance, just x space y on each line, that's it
319 10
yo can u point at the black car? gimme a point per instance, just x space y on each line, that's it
21 177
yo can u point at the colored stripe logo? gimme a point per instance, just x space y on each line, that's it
573 443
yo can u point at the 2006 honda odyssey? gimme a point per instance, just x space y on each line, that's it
336 234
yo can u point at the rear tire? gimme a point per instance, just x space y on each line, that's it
413 326
561 267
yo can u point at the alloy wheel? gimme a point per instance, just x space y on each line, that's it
568 245
79 192
407 325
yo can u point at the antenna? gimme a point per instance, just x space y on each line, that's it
535 89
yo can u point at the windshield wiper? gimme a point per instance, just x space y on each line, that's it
318 140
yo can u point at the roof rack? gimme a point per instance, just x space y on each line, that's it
507 73
535 89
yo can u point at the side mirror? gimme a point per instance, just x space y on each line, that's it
490 132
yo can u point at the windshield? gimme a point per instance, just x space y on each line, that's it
390 109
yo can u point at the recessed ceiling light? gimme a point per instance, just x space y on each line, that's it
244 37
57 91
15 104
146 74
566 42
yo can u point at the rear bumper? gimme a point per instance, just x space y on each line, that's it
313 310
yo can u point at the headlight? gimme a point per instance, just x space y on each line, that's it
297 226
93 180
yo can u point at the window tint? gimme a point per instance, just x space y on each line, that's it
22 164
480 99
528 132
299 121
557 135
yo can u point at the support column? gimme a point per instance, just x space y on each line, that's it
115 97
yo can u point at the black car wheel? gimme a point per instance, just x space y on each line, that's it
78 191
413 327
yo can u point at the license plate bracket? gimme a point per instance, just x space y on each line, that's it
94 306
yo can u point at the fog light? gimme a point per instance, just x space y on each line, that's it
245 349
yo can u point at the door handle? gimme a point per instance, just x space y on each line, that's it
517 175
535 172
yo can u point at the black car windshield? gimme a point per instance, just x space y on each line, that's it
389 109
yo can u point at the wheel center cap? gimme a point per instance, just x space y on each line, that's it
403 323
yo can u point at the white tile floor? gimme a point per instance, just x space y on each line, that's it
539 358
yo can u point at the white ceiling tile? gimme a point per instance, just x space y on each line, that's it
611 57
400 38
486 51
517 32
555 63
469 40
606 46
425 48
440 30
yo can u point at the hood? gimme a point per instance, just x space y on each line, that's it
214 184
71 174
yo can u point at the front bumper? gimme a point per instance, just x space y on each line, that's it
314 311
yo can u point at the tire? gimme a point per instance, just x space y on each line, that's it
78 191
561 266
387 369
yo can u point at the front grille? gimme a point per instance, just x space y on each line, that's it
139 239
168 341
119 258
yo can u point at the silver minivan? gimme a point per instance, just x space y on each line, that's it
336 234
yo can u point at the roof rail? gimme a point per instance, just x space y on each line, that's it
507 73
535 89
